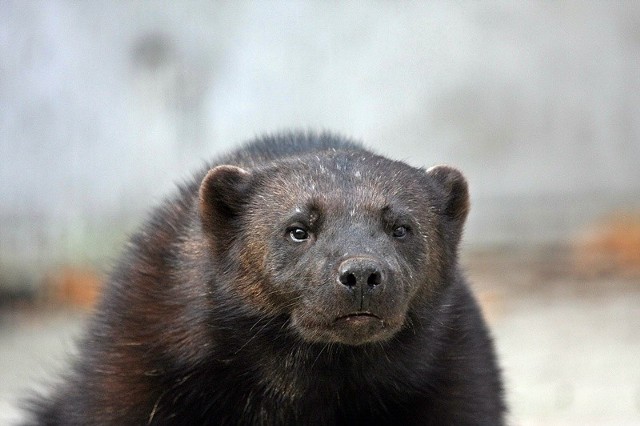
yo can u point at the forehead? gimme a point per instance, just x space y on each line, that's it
339 180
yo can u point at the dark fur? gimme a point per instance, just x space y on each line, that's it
214 316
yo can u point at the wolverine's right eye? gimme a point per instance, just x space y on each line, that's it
400 232
298 234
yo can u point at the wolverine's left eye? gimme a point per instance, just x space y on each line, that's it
298 235
400 232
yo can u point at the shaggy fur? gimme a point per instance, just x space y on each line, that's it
301 280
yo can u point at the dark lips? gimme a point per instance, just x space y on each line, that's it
359 319
358 328
354 315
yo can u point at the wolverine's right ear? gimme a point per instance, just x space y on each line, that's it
223 192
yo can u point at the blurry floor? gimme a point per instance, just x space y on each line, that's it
33 347
569 344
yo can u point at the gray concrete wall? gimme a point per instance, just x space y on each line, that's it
103 105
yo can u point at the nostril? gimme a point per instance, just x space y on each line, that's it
374 279
348 279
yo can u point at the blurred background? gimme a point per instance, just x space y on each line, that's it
104 106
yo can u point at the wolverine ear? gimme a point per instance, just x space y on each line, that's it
455 189
223 192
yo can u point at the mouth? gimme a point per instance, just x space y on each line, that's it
354 328
357 316
358 327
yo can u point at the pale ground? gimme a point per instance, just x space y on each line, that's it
569 345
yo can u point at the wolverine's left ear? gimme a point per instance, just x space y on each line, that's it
455 189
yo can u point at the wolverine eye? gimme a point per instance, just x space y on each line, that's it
298 234
400 232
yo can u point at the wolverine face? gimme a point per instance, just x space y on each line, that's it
344 244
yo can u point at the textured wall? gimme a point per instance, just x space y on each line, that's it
104 105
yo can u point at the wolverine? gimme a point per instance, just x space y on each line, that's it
299 280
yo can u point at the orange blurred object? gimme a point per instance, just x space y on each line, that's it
610 247
74 286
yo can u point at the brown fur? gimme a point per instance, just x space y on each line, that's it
300 280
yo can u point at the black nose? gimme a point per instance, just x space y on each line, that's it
357 274
362 275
